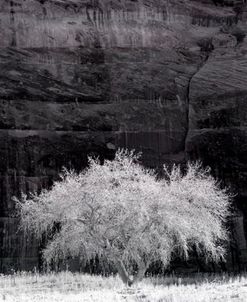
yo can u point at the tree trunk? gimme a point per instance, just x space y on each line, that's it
123 273
142 267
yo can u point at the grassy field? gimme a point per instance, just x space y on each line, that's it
70 287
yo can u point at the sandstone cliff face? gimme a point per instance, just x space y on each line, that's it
85 77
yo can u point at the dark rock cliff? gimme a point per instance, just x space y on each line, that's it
81 77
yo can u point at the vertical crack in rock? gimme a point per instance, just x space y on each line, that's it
12 22
200 66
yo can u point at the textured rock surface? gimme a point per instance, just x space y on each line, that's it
85 77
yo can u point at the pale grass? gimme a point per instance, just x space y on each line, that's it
68 287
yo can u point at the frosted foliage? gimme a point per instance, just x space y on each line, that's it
120 210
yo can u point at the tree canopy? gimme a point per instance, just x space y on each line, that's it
122 211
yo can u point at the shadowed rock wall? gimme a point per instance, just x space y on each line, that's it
86 77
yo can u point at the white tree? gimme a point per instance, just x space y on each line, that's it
122 211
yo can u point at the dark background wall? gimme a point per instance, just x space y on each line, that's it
81 77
